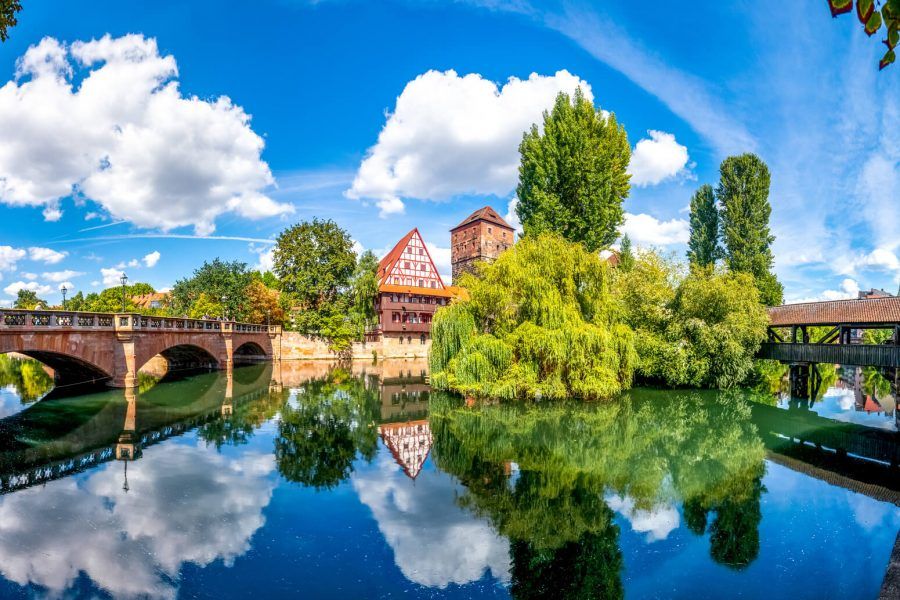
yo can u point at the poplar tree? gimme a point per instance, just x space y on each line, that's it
703 246
572 176
743 192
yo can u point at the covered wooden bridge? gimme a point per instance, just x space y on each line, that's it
806 334
792 340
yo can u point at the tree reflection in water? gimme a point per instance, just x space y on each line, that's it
543 476
26 376
323 426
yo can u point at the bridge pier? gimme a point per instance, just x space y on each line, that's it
805 380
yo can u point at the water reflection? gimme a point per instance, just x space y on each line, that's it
358 481
22 381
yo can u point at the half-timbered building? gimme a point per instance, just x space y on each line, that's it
410 290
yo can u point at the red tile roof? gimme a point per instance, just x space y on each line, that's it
862 311
484 214
387 263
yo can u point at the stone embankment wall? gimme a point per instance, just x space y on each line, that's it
295 346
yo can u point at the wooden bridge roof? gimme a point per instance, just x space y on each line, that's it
865 311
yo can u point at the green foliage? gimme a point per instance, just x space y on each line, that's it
314 261
222 282
699 330
697 448
743 193
626 254
262 302
110 300
205 307
363 293
572 177
539 321
324 427
28 300
703 246
873 15
8 10
27 376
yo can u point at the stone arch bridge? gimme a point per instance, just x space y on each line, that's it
93 347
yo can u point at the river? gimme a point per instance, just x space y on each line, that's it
315 481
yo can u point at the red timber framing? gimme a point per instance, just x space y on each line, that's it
410 291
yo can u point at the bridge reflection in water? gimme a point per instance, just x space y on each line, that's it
58 437
549 487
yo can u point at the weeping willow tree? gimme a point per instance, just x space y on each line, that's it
540 321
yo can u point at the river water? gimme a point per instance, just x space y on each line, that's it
308 480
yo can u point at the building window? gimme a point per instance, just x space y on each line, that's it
489 230
395 317
504 235
434 284
421 283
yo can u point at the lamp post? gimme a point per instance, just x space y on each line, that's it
268 313
64 290
224 310
123 279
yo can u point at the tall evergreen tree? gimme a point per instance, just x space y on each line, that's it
743 192
626 254
572 177
703 247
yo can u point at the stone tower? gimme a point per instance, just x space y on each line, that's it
481 236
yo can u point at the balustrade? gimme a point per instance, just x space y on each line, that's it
46 319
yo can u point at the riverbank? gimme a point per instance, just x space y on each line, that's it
296 346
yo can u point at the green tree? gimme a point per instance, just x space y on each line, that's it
572 177
364 292
314 261
8 10
873 14
540 320
110 300
701 329
703 246
76 302
29 300
205 307
743 193
224 283
626 254
263 304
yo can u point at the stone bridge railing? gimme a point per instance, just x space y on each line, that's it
17 320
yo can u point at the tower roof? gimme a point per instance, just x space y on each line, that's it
485 213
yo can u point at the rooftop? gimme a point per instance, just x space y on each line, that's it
870 311
484 214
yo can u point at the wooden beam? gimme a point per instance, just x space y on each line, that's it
830 336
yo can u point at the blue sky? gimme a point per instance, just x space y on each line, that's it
147 137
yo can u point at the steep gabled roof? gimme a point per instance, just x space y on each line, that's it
390 259
390 262
484 214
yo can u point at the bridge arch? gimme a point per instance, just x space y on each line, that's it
195 352
250 350
68 369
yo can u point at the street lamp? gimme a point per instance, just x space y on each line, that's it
268 313
224 313
64 290
123 279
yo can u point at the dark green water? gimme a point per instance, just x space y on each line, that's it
315 482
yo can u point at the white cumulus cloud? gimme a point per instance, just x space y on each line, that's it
111 276
849 289
151 259
450 135
44 255
656 159
647 230
60 276
13 288
106 119
9 256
